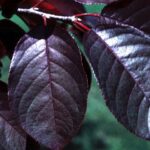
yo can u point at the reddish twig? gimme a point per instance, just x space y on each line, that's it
88 14
75 19
81 26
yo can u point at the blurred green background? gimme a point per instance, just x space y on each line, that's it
100 130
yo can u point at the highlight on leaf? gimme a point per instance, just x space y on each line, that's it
119 53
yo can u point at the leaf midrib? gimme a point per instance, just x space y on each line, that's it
50 80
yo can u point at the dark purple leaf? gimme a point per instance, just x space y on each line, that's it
10 33
91 21
11 135
31 20
130 12
68 7
119 51
95 1
48 86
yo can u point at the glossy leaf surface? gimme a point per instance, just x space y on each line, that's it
118 49
47 71
130 12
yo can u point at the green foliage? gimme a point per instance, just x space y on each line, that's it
94 8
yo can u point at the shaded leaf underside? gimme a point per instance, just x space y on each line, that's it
52 86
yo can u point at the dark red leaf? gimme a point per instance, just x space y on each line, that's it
31 20
119 51
45 5
48 86
11 135
68 7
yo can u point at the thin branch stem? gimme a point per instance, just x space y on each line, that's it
48 16
75 19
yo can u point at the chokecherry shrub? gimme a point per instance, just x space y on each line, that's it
49 77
